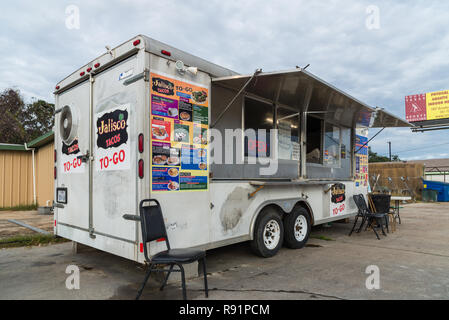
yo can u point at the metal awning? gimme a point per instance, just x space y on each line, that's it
307 93
384 119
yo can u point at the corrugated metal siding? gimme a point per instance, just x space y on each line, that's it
16 178
44 174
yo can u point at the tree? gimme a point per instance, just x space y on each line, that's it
373 157
20 122
38 119
11 112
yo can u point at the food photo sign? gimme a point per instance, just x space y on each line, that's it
179 131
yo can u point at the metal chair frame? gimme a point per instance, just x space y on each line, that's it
368 217
157 231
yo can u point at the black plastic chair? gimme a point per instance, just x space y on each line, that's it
153 228
368 217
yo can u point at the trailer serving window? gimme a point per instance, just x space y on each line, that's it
288 133
258 117
259 120
332 148
314 140
328 150
329 114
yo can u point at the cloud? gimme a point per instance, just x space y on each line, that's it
407 55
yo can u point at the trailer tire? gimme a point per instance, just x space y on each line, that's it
268 233
297 228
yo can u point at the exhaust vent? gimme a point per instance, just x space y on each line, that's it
68 124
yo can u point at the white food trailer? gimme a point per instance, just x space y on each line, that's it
146 120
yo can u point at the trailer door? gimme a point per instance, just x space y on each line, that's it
116 118
72 177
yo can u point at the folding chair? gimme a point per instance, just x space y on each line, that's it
367 217
153 228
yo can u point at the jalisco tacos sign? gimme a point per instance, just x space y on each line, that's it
70 161
111 129
338 199
163 86
428 106
112 136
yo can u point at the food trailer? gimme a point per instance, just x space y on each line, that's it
230 157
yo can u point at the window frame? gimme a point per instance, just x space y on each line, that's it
297 115
251 159
338 164
323 133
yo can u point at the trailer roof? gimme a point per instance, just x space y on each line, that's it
155 47
289 88
128 48
286 86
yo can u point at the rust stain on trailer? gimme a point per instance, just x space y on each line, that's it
236 204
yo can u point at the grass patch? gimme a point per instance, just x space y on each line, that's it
21 208
324 238
30 240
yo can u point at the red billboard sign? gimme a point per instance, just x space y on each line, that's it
428 106
416 108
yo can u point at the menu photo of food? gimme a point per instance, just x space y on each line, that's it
160 129
202 166
202 156
193 158
181 132
173 172
173 186
165 179
185 110
164 107
175 157
199 96
163 154
199 135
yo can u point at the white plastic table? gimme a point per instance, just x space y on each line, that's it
397 203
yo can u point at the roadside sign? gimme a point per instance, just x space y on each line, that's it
428 106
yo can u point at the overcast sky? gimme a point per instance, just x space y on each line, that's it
406 53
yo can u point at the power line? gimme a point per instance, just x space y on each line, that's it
416 149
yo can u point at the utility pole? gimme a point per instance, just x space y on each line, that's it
389 147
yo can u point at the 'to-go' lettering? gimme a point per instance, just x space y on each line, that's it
117 157
75 163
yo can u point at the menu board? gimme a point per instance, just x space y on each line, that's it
361 161
179 135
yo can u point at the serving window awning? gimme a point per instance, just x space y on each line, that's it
305 92
384 119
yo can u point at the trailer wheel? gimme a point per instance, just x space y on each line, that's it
268 233
297 228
